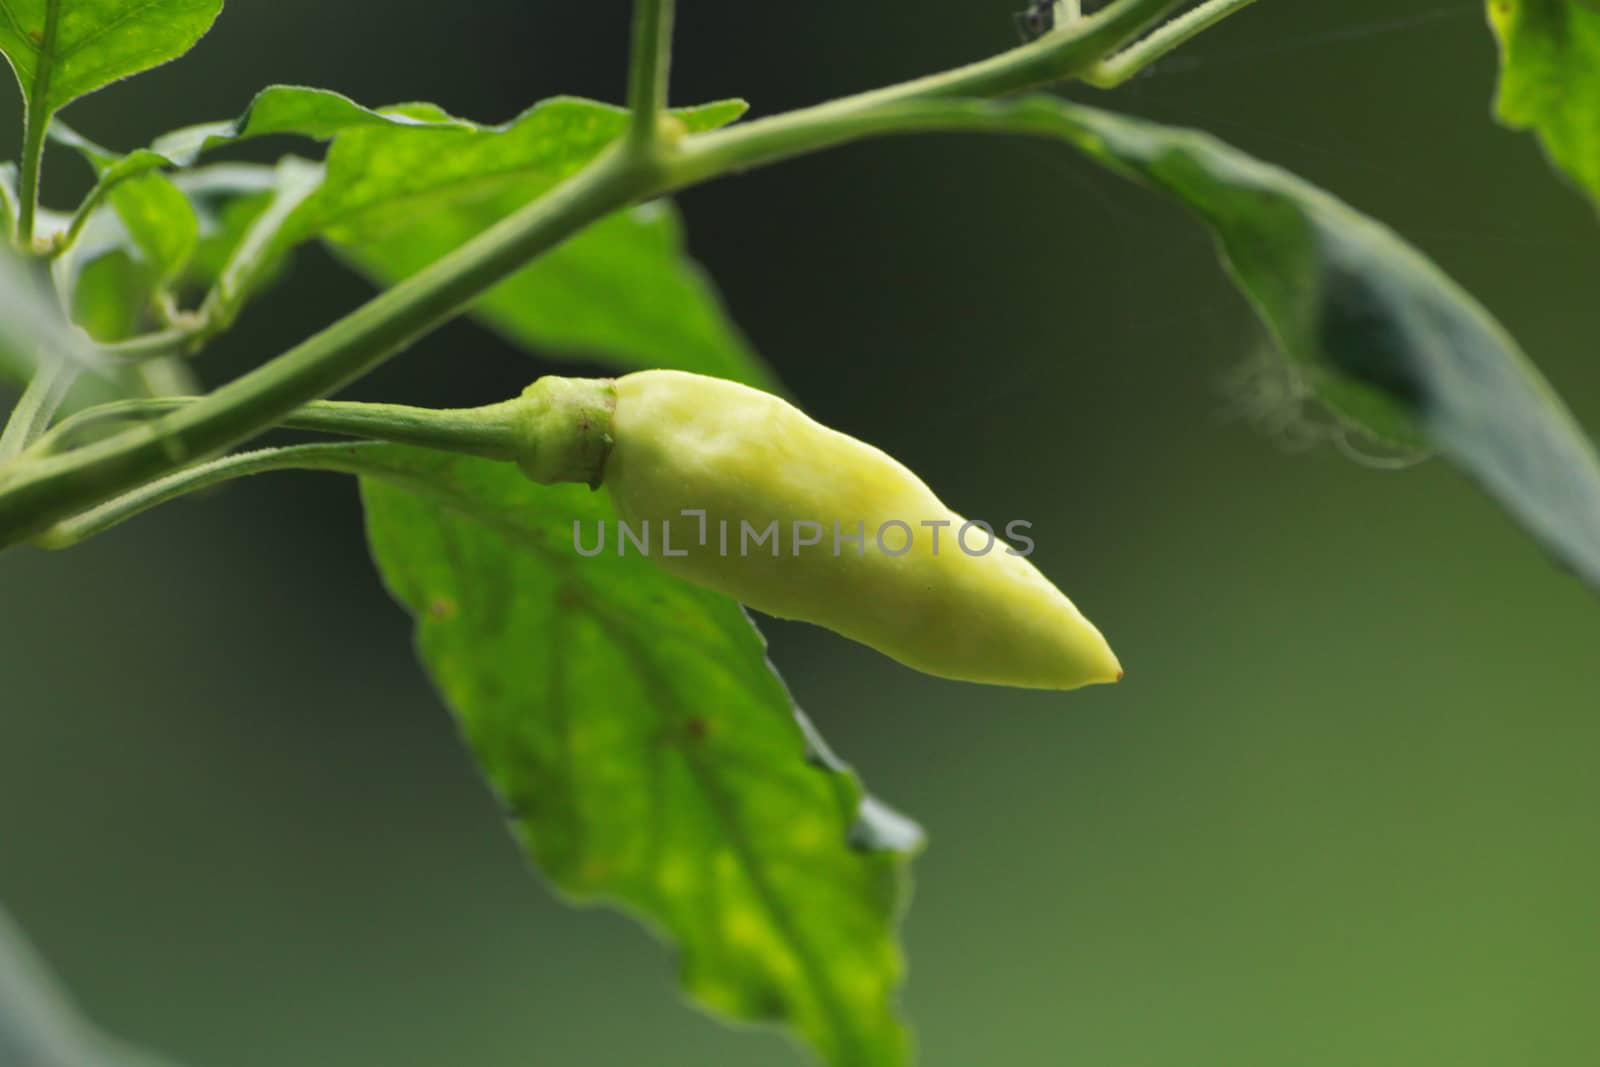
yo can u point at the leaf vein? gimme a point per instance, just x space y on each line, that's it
16 24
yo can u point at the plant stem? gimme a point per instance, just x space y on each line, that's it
44 394
295 180
1062 54
80 218
35 122
338 458
491 432
37 494
649 68
173 341
1112 72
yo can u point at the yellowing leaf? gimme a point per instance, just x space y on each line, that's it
646 753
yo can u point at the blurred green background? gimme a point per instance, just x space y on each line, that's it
1344 809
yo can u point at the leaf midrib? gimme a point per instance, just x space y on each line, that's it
44 67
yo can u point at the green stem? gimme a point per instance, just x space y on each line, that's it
80 217
36 120
46 390
649 68
174 341
35 123
1062 54
495 431
38 494
295 180
1112 72
165 377
338 458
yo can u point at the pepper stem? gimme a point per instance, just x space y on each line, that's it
566 429
557 430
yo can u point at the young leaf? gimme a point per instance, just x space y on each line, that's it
213 230
63 49
646 753
380 179
160 221
396 199
257 252
111 296
1550 79
1386 338
224 222
128 246
228 199
408 183
319 114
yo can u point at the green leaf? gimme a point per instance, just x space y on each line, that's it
319 114
62 49
127 248
212 230
647 754
160 221
39 1025
623 291
397 198
227 198
1387 340
380 179
255 254
111 296
1550 79
168 231
409 182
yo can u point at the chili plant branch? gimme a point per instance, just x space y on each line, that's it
1112 72
495 431
36 115
1064 54
337 458
649 69
81 215
37 494
44 394
35 123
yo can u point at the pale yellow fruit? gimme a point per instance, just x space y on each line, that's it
683 441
